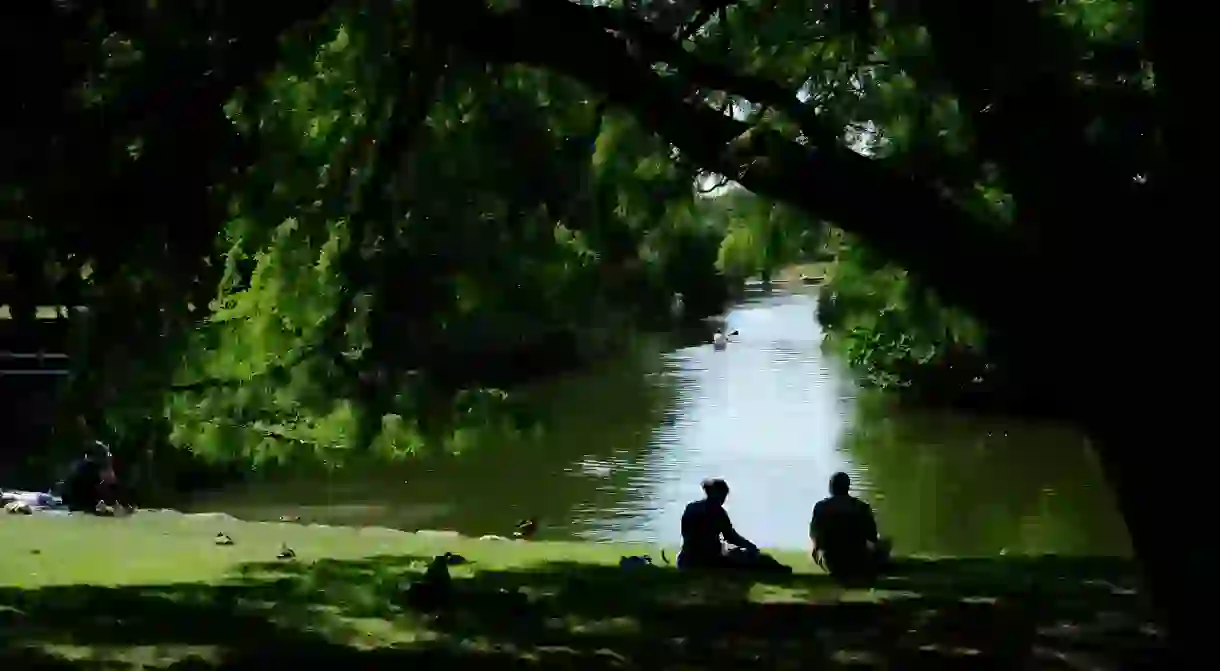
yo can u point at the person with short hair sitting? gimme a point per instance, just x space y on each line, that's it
91 481
844 534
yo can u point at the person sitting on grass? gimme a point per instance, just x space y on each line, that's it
844 534
704 523
91 484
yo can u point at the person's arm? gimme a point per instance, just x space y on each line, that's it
730 534
870 523
813 527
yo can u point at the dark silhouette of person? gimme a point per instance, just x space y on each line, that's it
844 533
90 480
704 523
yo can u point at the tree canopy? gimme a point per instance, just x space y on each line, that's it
345 192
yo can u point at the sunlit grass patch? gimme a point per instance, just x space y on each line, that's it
155 589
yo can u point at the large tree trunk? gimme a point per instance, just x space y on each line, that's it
1137 405
1144 474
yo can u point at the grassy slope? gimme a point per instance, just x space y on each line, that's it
154 590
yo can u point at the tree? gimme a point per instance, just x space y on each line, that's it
1075 129
386 264
897 334
1074 111
760 235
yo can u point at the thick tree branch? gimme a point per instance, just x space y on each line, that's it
656 48
1012 70
945 247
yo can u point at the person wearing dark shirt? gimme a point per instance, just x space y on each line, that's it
844 533
704 524
90 480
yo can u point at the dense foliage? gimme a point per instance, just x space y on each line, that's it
373 301
990 153
369 300
761 236
891 325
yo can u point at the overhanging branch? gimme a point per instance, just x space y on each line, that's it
1012 71
656 47
972 263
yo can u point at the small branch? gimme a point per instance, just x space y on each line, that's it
704 16
657 48
208 384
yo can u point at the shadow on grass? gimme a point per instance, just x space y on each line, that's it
1002 613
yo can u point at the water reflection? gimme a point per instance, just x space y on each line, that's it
575 475
765 413
959 485
773 415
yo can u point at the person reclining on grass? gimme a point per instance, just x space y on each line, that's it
704 523
91 480
844 534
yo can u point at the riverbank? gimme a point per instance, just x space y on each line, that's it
154 590
815 271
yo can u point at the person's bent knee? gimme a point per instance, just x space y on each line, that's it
686 562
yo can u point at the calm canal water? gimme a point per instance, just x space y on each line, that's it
774 416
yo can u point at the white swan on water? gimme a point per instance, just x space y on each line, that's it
720 339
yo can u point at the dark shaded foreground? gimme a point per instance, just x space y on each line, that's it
998 613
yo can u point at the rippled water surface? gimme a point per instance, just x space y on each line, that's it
771 414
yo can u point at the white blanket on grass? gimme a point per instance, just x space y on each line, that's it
37 501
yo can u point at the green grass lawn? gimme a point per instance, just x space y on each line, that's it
154 590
